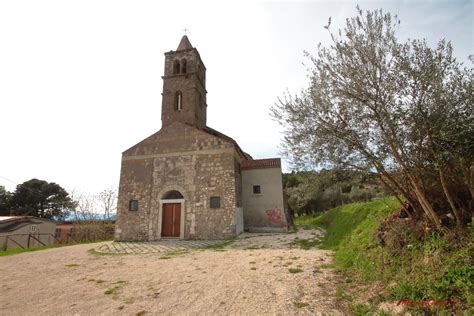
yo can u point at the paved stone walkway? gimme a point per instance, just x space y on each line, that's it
161 246
243 241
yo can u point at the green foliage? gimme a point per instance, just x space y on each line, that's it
295 270
349 220
310 192
361 309
401 109
5 200
436 267
42 199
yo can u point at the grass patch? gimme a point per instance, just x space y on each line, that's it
436 267
343 221
253 247
96 281
300 304
72 265
117 286
295 270
18 250
307 244
253 268
174 253
97 253
220 245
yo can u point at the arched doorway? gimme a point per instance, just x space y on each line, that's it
172 215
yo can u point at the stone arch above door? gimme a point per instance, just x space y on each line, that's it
172 195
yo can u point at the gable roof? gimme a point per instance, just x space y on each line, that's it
12 223
242 153
207 130
261 163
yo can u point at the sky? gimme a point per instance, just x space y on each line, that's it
80 81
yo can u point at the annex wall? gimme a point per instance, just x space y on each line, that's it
264 211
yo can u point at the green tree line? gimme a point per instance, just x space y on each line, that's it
311 192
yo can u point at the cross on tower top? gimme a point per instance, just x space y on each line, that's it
185 30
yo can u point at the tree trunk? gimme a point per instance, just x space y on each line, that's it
425 204
457 215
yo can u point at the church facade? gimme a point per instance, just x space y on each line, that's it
190 181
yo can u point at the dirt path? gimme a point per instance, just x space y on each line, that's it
239 279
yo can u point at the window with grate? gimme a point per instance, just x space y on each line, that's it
215 201
133 205
256 189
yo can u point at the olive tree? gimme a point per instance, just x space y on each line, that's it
403 110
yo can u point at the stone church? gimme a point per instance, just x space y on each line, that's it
190 181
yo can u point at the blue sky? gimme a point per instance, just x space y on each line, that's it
80 81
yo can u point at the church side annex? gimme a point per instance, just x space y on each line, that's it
190 181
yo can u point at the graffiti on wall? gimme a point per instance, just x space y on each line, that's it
275 217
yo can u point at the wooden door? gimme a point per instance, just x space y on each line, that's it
171 220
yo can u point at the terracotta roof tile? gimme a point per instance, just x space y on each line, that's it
261 163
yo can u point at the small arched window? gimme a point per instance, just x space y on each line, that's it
183 66
178 101
176 67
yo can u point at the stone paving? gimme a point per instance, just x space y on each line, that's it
243 241
161 246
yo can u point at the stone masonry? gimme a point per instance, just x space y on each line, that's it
186 157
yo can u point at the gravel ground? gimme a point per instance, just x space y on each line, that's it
250 276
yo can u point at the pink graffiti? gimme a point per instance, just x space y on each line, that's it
274 216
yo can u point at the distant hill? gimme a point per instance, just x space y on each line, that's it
84 216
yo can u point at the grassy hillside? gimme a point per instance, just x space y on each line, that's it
432 268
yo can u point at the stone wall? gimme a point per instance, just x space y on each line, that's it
186 159
192 86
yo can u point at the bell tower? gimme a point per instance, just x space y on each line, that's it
184 86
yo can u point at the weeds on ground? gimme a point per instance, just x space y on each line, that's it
170 254
97 253
99 281
220 245
300 304
295 270
307 243
252 247
116 287
72 265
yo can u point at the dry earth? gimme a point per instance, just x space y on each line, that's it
236 280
